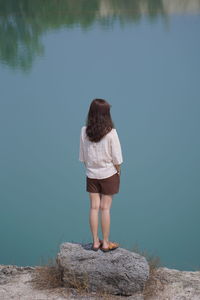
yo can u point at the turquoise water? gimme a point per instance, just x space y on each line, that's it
143 57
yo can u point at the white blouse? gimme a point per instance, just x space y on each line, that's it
100 157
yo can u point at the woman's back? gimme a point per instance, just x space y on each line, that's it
100 157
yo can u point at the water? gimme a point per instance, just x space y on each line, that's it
143 57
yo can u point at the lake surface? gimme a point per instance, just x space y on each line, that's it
143 58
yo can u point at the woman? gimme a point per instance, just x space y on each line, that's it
100 150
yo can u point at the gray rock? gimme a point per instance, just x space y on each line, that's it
8 271
118 272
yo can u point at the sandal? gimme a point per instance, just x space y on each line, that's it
112 246
97 248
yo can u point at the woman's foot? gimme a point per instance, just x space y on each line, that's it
108 246
97 244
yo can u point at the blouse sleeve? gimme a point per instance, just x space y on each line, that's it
116 150
81 150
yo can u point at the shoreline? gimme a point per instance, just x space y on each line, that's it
18 282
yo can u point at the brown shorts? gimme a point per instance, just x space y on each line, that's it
106 186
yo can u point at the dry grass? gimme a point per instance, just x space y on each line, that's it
47 276
153 285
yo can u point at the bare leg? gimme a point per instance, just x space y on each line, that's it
105 205
94 214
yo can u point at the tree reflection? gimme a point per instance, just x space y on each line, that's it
22 22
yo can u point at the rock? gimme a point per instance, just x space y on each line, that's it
8 271
118 272
172 284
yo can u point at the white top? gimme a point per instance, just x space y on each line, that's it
100 157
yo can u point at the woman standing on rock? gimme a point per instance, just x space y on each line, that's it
100 150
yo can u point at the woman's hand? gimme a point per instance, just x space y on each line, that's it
118 169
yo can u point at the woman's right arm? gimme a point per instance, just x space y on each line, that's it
81 149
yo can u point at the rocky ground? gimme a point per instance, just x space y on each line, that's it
21 283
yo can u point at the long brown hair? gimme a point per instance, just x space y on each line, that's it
99 121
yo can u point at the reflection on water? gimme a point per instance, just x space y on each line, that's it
22 22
